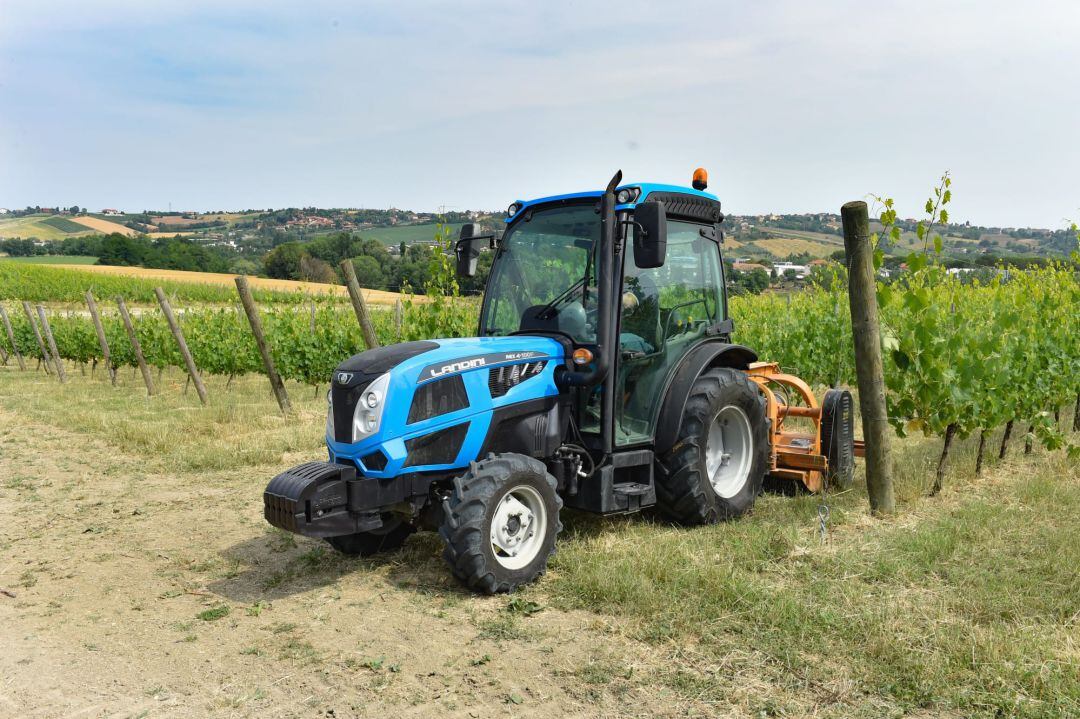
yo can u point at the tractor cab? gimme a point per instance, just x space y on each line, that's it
638 301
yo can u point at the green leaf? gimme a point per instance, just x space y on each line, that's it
937 244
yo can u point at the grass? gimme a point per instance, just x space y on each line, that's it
406 233
961 605
964 604
55 259
240 427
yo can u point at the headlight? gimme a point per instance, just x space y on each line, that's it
628 195
512 210
368 413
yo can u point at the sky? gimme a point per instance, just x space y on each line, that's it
791 106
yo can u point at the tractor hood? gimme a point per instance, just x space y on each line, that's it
440 393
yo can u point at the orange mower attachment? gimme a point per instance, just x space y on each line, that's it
819 449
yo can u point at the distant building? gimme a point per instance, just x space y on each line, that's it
4 210
801 271
111 211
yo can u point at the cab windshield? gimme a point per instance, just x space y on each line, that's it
544 275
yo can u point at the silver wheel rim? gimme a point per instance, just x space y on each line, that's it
728 451
518 527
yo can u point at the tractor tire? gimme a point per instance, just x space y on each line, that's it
716 468
388 538
838 437
500 523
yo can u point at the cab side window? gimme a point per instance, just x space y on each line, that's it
665 312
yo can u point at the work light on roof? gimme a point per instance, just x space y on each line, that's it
512 210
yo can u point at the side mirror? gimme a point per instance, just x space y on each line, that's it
650 235
467 250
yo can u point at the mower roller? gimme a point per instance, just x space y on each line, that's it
602 378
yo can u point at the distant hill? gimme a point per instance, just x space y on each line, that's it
255 232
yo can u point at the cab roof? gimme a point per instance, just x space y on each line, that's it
647 188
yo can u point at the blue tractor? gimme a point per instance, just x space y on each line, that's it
602 378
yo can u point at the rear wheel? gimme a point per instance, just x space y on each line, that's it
387 538
717 466
838 437
500 523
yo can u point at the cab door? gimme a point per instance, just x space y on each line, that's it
665 312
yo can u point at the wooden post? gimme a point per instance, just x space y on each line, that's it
1076 410
193 371
135 345
14 345
100 330
57 362
3 356
359 306
37 336
399 318
311 303
866 332
260 341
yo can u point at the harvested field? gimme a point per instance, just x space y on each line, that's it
784 246
378 297
104 226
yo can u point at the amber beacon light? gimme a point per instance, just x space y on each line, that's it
701 179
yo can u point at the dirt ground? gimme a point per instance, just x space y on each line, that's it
133 590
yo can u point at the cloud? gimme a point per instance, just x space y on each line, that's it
793 106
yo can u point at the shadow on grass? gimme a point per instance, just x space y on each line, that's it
276 564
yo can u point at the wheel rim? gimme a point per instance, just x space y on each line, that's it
729 451
518 527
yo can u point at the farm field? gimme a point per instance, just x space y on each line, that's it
54 259
406 233
784 246
213 278
38 226
104 226
140 579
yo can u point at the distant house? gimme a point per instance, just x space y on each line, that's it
801 271
4 210
111 211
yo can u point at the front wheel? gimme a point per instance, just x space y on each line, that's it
717 466
500 523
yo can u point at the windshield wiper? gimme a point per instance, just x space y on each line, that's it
545 312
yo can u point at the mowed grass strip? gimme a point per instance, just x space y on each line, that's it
966 603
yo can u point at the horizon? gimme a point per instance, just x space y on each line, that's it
206 105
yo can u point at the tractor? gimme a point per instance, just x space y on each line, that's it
603 378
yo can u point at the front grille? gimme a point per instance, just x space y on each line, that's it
437 398
343 401
502 379
440 447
